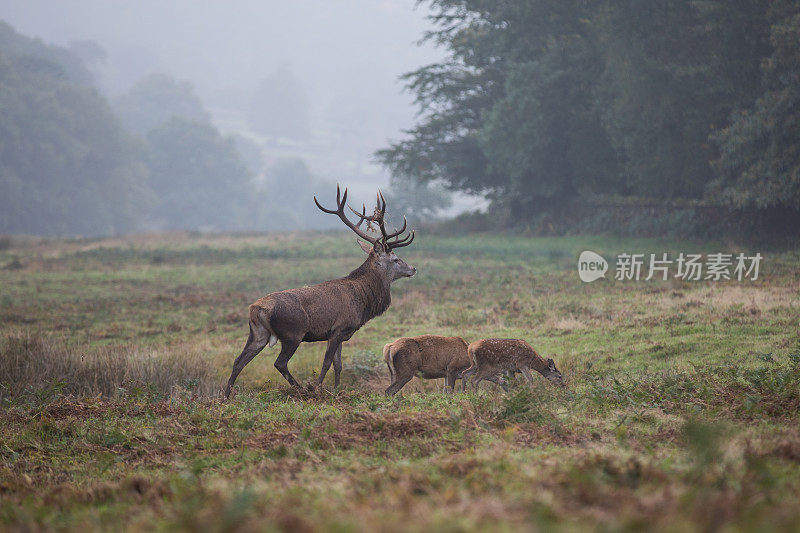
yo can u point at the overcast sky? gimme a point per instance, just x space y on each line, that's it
333 46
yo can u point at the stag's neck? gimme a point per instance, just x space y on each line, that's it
372 288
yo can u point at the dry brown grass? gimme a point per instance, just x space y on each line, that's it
765 298
728 295
34 362
565 324
412 307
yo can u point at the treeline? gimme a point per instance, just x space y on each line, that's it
544 103
73 163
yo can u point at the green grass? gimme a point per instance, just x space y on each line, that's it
681 410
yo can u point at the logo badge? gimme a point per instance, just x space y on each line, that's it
591 266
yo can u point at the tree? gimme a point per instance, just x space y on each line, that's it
89 52
250 153
543 101
452 96
418 202
511 111
61 62
154 100
759 164
66 167
544 138
286 197
92 55
198 177
673 73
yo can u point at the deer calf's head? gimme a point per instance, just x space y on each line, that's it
552 373
381 246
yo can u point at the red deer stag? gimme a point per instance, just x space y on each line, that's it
333 310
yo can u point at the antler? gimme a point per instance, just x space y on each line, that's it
376 217
341 201
398 242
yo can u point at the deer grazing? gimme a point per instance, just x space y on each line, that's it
491 356
430 356
333 310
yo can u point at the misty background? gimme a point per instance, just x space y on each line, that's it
657 118
237 112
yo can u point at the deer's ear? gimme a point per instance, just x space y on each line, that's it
364 246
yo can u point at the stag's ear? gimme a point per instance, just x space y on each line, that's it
551 364
364 246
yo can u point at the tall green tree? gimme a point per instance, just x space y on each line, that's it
759 164
542 101
511 111
544 137
673 73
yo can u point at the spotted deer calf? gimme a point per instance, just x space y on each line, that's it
429 356
489 357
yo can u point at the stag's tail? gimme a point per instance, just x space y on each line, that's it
389 358
259 325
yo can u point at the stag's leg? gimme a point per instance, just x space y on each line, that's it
282 362
337 366
334 344
251 349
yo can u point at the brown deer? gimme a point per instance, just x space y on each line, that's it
491 356
430 356
333 310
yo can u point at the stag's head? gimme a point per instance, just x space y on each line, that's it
380 245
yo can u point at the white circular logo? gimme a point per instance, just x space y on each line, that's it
591 266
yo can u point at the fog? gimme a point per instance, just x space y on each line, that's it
338 64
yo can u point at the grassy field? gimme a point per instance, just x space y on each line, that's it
681 410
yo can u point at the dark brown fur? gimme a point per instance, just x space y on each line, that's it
333 311
429 356
491 356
